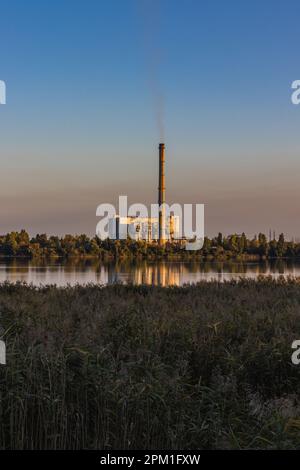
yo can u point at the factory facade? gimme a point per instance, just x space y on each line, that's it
143 228
159 228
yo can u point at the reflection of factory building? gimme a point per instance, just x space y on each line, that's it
142 228
158 274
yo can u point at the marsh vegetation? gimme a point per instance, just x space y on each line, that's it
139 367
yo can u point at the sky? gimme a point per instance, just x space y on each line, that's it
93 86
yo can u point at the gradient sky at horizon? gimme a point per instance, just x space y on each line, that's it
87 82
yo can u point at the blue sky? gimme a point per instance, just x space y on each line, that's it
87 79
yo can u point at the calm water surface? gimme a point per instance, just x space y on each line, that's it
165 273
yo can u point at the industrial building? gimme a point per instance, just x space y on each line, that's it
159 228
143 228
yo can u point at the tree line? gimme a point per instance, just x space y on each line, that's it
20 244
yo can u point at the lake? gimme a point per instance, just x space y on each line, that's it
164 273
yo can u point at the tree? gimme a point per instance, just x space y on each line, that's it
220 239
11 244
281 246
262 244
242 243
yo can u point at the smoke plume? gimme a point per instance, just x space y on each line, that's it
150 12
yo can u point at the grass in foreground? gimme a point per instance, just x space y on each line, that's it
199 367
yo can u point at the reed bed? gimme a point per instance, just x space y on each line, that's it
206 366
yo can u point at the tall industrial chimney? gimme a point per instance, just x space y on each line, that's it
162 195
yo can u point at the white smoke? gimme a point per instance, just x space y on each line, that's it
150 12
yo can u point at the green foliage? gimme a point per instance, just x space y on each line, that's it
18 244
135 367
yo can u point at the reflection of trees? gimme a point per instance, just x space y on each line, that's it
164 273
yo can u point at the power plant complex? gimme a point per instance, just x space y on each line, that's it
161 228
